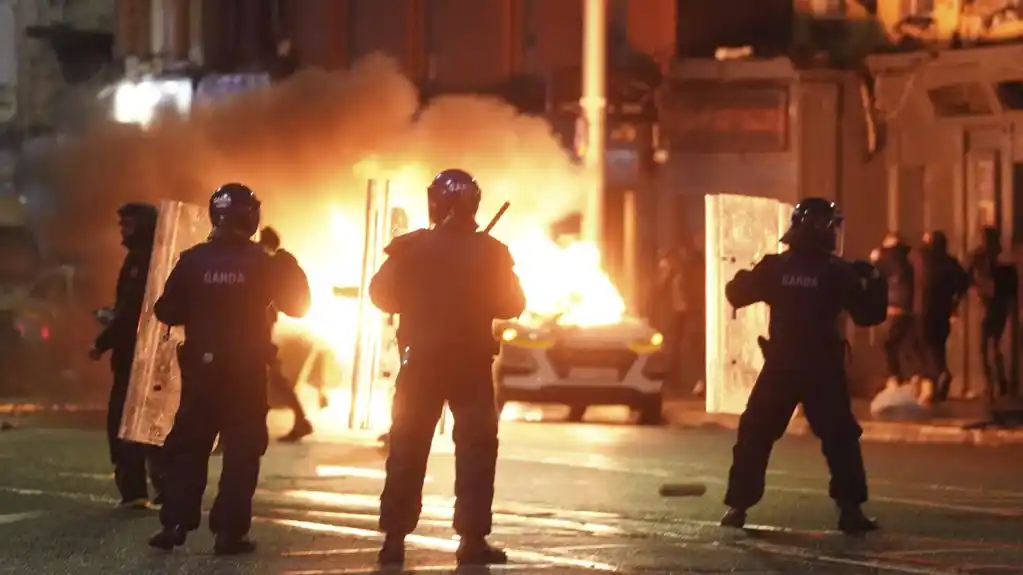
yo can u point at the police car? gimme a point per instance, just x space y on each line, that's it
542 362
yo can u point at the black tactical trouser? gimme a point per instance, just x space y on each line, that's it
230 402
992 327
421 391
906 337
130 459
826 405
936 328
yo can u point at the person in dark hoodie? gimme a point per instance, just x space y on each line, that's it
995 286
940 285
138 227
270 241
892 260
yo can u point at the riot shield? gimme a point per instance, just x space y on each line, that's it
155 388
370 392
740 231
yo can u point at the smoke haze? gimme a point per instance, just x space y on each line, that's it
307 146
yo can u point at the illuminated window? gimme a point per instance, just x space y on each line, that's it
966 99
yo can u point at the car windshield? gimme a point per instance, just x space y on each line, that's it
20 259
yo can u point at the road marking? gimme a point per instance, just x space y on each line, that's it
811 556
450 568
330 552
449 545
15 517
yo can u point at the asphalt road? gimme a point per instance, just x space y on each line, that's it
570 498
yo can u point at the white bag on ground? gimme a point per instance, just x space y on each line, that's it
898 403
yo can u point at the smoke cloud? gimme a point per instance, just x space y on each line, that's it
307 146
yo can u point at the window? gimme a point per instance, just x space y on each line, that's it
1010 94
20 259
727 117
966 99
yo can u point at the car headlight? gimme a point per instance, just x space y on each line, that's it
648 345
515 337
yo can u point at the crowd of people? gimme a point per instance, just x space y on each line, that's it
926 286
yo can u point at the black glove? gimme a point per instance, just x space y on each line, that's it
865 270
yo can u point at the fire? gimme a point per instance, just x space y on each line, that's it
563 283
566 282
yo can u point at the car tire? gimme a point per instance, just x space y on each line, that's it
576 413
650 410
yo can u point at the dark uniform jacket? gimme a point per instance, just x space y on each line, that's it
807 291
448 286
221 291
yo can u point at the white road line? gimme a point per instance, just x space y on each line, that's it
448 545
15 517
811 556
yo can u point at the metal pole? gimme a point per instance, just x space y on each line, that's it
594 106
630 239
382 227
358 358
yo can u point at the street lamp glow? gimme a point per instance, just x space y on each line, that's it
137 102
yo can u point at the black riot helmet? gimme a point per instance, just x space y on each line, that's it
816 224
235 210
138 225
453 197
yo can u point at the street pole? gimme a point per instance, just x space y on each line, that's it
594 108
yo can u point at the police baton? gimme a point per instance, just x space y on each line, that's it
497 217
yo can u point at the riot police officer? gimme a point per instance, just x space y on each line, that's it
138 227
807 287
271 242
220 291
447 284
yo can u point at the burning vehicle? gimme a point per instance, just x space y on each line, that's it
544 361
576 345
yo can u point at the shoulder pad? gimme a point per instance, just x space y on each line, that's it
494 245
403 241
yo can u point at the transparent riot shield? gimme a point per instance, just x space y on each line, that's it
370 391
155 387
740 231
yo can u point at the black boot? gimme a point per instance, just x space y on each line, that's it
231 544
301 429
734 518
852 521
168 538
476 551
392 552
